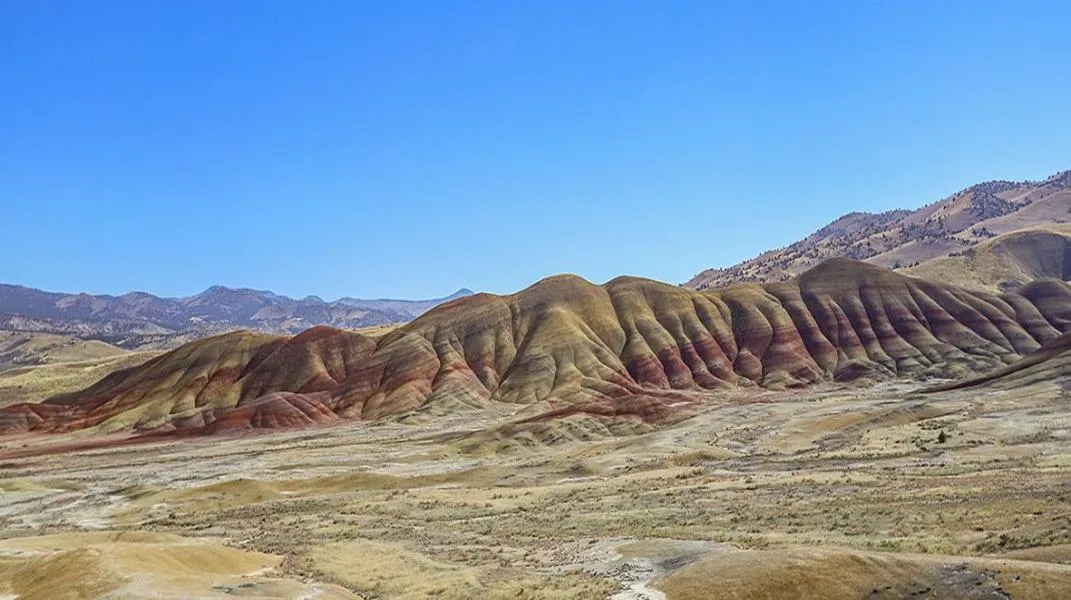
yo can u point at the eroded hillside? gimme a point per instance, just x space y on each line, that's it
631 350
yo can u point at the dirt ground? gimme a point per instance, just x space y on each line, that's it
833 492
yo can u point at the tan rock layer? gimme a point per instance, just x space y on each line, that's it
631 348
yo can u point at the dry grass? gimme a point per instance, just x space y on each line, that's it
31 348
137 565
39 382
1006 261
378 330
818 574
824 491
389 570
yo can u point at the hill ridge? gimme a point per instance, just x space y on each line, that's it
629 349
906 238
140 319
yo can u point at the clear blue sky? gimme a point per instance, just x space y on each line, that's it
411 148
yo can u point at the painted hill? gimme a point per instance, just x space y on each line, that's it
904 238
632 350
140 320
1051 362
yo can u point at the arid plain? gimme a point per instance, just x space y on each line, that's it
835 492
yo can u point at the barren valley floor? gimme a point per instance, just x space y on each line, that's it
831 492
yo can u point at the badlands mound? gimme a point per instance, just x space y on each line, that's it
825 573
630 349
134 564
1051 362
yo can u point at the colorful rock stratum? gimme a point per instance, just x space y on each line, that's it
630 350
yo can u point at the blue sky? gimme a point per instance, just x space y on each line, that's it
408 148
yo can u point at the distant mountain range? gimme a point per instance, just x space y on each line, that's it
141 320
907 239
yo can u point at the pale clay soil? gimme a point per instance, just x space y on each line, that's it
754 488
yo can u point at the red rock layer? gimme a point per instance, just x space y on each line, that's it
631 347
